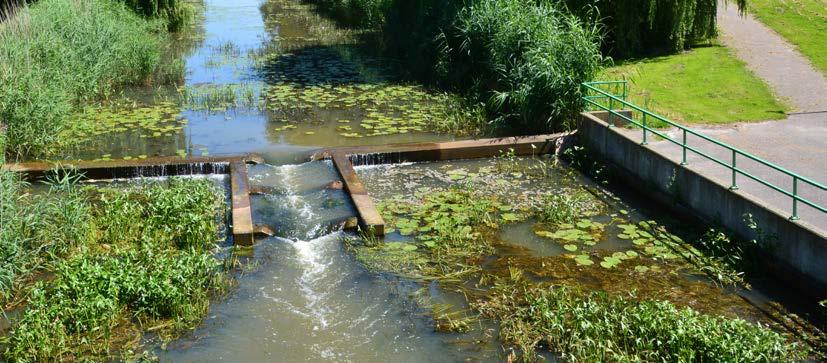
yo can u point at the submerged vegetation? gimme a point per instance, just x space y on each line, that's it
95 267
617 289
56 55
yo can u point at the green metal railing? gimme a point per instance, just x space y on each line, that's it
615 99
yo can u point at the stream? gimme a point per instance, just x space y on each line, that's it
275 78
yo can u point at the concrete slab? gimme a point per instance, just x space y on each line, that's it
796 249
149 167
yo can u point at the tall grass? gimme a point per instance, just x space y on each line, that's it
176 13
527 59
29 237
56 54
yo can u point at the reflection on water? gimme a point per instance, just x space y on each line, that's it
257 48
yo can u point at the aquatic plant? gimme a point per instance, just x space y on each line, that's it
92 123
215 98
57 54
383 109
524 60
593 326
566 207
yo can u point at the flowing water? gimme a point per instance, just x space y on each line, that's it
304 298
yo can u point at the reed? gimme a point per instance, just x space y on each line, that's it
57 54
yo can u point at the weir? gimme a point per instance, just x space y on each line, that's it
346 158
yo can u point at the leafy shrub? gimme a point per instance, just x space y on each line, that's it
357 13
176 13
136 255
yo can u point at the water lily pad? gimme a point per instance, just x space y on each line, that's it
570 247
610 262
583 261
510 217
641 269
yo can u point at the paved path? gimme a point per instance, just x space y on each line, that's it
798 144
772 58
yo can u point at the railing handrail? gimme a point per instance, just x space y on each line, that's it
591 86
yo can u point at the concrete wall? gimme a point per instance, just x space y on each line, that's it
797 252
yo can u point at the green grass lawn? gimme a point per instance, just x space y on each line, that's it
802 22
704 85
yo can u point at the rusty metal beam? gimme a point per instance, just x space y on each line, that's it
369 218
243 229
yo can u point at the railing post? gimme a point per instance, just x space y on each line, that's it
683 160
644 130
795 199
625 91
734 171
611 111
